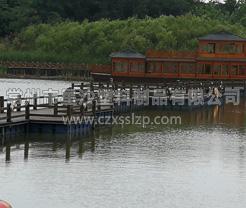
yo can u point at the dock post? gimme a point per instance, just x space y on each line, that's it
94 111
91 87
56 107
18 103
82 109
35 101
9 112
69 111
131 98
50 97
94 107
27 111
1 104
82 86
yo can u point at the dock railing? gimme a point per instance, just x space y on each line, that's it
50 106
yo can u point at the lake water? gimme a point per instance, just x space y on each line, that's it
201 163
27 86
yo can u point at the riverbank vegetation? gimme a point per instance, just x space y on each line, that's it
3 70
74 32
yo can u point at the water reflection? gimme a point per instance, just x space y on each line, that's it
81 148
200 163
229 117
68 148
8 151
26 150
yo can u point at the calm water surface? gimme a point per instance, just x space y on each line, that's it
201 163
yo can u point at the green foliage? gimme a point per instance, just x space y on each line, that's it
18 14
92 42
14 15
3 70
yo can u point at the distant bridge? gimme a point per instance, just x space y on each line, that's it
50 70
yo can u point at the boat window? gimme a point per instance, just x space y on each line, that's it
154 67
171 68
230 48
141 67
137 67
134 67
207 69
209 48
158 68
234 69
242 70
217 69
120 66
200 68
151 67
187 68
239 48
224 69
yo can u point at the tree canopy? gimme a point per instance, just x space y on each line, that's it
92 42
89 30
17 14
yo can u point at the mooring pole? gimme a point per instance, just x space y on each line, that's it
94 112
9 112
1 104
35 101
56 107
131 98
94 102
69 111
82 86
91 87
18 103
27 111
50 97
82 109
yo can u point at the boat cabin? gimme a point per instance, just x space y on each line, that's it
127 63
222 54
219 56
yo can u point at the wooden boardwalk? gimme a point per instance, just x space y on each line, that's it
53 112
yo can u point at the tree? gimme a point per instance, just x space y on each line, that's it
231 5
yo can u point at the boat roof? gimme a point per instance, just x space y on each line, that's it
127 54
222 36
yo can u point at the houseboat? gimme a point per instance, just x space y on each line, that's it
220 56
